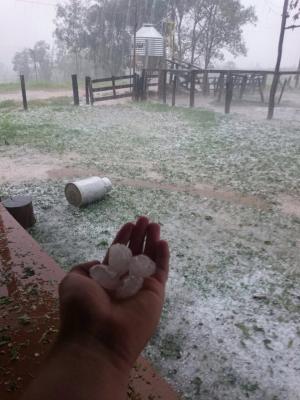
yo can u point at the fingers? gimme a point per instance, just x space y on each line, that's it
83 269
122 237
162 261
152 237
138 234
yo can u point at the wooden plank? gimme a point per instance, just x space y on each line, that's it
75 90
117 78
106 88
23 89
118 96
240 71
101 80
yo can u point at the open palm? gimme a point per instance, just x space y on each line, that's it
119 328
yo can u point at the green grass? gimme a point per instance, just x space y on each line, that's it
33 85
8 104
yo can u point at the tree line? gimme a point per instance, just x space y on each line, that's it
95 36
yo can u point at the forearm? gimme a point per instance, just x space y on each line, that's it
77 373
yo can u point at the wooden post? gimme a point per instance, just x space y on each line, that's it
261 90
221 85
20 207
135 93
174 90
297 78
164 86
205 87
192 88
113 85
87 89
143 85
264 81
282 90
75 90
23 88
229 92
243 86
91 92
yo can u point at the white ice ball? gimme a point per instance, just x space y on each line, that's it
130 286
105 277
118 258
142 266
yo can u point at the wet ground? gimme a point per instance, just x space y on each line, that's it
225 190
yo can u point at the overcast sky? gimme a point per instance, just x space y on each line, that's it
23 22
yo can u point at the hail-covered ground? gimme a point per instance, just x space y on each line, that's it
225 191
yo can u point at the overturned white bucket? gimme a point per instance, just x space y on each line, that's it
87 191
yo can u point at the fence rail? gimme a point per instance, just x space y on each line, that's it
91 89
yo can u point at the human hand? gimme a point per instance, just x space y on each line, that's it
119 329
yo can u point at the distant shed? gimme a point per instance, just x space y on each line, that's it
150 47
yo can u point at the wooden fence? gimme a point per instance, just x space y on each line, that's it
116 89
222 83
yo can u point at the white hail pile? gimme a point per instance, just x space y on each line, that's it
124 274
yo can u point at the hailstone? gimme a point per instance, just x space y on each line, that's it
130 286
142 266
105 277
119 256
124 273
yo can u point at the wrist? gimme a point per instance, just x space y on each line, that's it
89 350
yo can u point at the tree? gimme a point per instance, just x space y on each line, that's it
70 24
294 7
22 63
221 29
41 59
108 28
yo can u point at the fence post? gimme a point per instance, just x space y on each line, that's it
174 90
113 85
206 87
23 88
264 81
143 86
75 90
135 92
243 86
221 86
282 90
192 88
87 89
164 86
261 91
229 92
91 92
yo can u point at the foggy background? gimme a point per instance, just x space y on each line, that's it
23 22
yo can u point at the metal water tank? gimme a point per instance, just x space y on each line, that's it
150 47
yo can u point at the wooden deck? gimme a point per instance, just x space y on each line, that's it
29 316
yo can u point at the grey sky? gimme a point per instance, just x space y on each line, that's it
23 22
